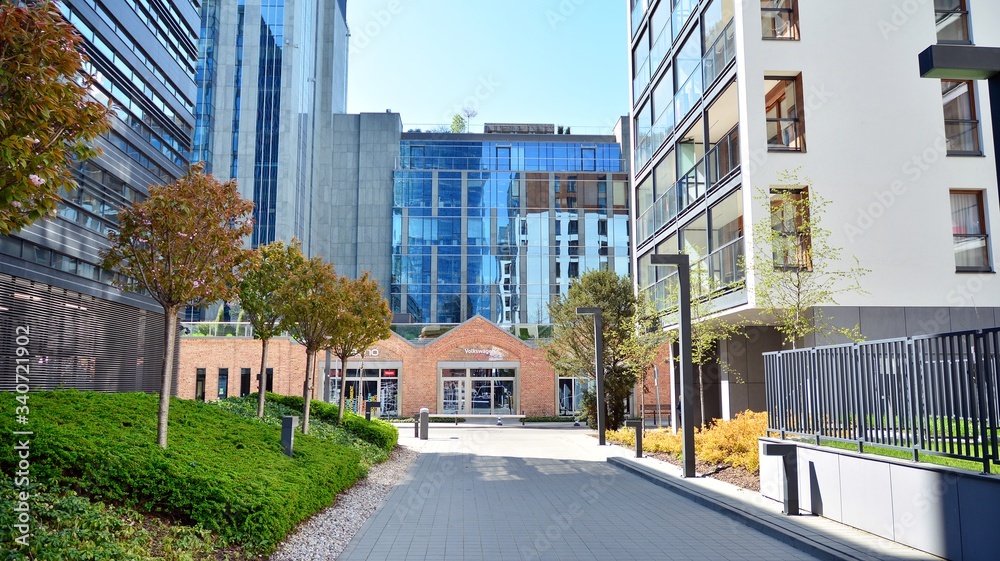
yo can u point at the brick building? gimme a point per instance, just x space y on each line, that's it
475 368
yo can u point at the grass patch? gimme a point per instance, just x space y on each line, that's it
222 472
908 455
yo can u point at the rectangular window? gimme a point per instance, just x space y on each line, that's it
574 269
269 385
503 157
244 382
199 384
790 222
961 124
589 158
779 19
968 228
785 125
574 227
223 383
952 18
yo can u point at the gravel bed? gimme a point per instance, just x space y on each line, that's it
324 536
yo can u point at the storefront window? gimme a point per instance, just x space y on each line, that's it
478 391
374 384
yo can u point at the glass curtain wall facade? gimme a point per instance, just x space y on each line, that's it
91 335
499 226
687 183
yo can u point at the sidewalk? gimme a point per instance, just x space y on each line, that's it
481 492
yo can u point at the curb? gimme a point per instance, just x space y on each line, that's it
764 522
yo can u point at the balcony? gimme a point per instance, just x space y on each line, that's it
638 11
715 275
720 54
721 162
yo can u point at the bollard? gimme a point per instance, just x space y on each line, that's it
288 424
637 425
425 415
416 427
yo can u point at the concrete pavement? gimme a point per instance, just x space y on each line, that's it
480 492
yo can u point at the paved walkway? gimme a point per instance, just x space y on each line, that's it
508 493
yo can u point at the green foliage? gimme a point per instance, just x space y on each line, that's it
459 124
264 275
223 472
47 120
795 268
363 319
629 347
70 527
378 432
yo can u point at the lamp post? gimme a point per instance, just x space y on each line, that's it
967 62
682 262
599 363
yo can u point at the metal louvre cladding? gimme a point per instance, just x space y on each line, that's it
77 341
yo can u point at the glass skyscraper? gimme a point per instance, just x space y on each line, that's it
84 332
498 224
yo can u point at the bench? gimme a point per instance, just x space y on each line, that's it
458 416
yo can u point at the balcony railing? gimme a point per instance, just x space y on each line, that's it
783 133
713 274
720 54
963 136
689 94
216 329
682 11
724 158
638 10
641 80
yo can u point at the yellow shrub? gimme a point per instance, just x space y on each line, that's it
733 442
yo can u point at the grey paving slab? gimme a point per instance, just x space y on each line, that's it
502 493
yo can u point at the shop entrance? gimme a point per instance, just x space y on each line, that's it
369 384
478 390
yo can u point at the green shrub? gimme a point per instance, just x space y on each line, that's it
378 432
221 471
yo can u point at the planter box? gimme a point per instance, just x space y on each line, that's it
944 511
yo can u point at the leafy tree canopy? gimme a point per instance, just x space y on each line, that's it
46 118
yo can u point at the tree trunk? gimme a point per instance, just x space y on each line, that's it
342 402
262 385
170 323
307 391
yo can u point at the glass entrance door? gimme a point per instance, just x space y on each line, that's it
452 396
478 391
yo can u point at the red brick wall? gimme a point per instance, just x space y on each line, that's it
418 376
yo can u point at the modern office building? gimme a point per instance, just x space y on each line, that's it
726 95
497 224
85 333
471 236
271 73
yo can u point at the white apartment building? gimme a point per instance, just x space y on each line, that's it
727 94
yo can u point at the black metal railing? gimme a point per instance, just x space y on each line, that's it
933 394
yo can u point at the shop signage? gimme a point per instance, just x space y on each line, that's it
491 353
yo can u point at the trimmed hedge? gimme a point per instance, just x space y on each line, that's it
378 432
221 471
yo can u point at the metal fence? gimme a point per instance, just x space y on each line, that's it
934 394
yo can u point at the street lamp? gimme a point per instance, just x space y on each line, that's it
682 262
599 363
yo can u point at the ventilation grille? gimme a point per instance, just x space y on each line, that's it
77 341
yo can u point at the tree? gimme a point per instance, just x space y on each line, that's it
182 245
364 320
46 118
263 278
795 269
458 124
708 328
312 302
629 342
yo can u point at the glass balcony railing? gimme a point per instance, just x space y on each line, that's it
682 11
661 45
216 329
720 54
720 162
716 273
638 10
724 158
688 94
640 81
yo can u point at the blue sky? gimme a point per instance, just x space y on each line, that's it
536 61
